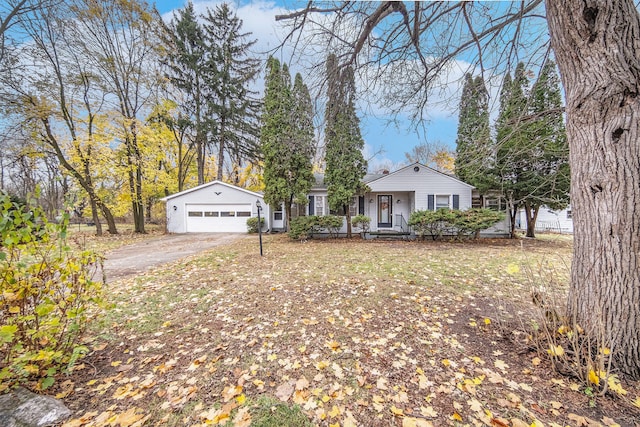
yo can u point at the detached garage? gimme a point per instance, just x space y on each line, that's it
215 207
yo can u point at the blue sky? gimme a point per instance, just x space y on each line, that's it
385 142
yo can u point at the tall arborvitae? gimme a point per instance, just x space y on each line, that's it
547 183
185 62
234 108
286 138
512 141
475 153
345 164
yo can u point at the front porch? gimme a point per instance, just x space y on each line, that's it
389 212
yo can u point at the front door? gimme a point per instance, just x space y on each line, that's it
385 203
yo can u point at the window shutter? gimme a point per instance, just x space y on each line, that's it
311 205
456 201
430 202
361 205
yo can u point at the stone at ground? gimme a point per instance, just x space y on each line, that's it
22 408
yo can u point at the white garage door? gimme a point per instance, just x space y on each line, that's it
217 218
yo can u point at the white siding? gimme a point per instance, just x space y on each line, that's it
424 182
550 220
215 193
409 189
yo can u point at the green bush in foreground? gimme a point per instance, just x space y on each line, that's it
362 222
252 224
47 296
453 222
307 226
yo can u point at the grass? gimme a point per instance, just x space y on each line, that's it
337 331
269 412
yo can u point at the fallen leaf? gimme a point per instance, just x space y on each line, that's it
396 411
428 412
381 384
230 392
302 383
500 365
517 422
609 422
284 391
242 418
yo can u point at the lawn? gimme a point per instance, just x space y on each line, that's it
338 332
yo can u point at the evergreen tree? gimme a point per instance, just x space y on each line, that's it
234 108
345 164
512 140
185 63
532 155
474 147
286 138
548 180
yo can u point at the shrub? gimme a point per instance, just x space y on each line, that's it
362 222
432 223
47 294
252 224
305 226
473 221
301 227
455 222
331 223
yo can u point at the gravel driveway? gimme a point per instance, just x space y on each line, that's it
134 259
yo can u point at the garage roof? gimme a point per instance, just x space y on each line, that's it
208 184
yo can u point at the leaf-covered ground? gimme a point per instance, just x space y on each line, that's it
337 333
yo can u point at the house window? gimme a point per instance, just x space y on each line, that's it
195 213
442 201
277 215
353 206
211 214
495 204
569 214
319 207
227 214
243 213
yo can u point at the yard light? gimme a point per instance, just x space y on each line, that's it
259 206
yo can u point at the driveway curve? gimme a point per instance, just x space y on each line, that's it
137 258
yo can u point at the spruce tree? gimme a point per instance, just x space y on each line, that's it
512 141
234 108
548 179
474 146
185 64
286 138
345 164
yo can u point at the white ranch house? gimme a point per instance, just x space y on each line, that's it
392 197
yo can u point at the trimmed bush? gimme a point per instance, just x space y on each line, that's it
362 222
331 223
472 221
301 227
306 226
48 295
453 222
252 224
432 223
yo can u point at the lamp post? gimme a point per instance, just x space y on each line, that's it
259 206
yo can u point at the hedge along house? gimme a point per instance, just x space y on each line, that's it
392 197
215 207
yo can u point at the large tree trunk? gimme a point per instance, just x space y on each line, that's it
597 47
